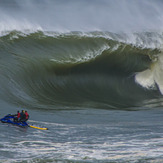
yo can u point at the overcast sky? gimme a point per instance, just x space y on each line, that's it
86 15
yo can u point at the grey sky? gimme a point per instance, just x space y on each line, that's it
87 15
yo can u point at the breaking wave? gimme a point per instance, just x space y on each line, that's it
44 69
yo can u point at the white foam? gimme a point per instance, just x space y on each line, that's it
85 57
151 77
145 79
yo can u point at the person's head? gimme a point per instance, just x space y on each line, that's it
17 111
25 111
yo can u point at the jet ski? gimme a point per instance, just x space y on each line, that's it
11 120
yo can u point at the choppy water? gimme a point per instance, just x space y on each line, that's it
86 136
98 90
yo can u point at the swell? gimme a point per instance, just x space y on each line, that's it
95 69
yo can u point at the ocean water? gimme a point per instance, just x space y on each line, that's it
89 71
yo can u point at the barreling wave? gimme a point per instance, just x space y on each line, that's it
95 69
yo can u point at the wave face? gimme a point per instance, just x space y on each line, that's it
95 69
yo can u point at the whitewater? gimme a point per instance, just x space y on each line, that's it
90 71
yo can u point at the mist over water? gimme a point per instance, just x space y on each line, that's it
72 15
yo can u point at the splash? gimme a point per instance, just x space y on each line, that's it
152 77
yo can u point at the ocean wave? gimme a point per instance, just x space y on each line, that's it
95 69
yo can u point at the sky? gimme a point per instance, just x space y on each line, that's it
81 15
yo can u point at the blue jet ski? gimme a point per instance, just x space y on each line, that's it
11 119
